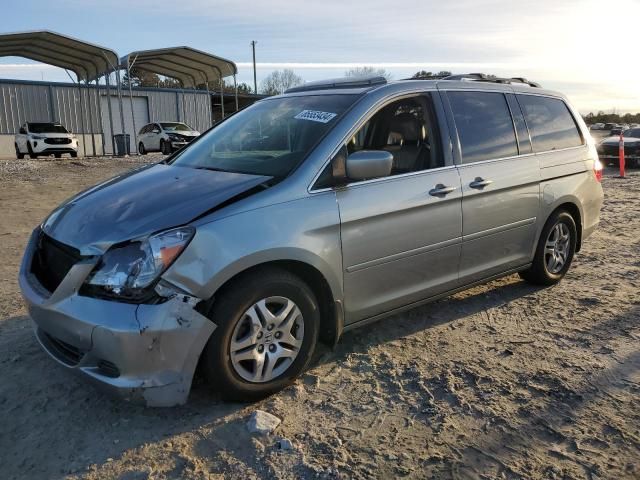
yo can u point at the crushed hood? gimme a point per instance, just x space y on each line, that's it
142 202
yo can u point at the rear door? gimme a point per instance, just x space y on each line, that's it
401 235
500 180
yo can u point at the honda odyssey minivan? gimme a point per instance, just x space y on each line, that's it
301 217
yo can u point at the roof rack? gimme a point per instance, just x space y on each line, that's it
481 77
334 83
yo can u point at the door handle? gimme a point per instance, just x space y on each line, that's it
480 183
441 189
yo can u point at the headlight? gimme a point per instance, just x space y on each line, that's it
129 269
175 138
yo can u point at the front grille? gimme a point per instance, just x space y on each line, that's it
184 138
57 141
62 350
52 261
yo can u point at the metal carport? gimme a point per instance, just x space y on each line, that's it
189 66
87 61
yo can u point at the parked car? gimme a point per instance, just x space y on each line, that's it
304 216
165 137
616 131
597 126
42 139
608 149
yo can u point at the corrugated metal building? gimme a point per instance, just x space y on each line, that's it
30 101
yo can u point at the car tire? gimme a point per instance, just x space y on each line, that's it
251 319
57 155
74 154
30 150
141 149
555 250
165 148
19 155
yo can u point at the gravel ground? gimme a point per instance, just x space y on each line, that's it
504 380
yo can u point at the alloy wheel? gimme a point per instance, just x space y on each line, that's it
267 339
556 249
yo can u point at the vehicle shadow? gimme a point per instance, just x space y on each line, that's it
445 311
54 421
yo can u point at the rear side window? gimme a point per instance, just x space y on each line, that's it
550 122
484 125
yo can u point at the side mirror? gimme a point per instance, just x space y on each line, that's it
367 164
22 131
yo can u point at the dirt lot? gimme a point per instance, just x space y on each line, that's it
502 381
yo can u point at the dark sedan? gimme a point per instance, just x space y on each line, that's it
608 148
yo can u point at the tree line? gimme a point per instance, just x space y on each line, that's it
276 83
601 117
279 81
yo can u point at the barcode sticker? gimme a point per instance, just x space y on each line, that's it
315 116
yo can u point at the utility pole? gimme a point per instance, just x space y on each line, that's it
255 82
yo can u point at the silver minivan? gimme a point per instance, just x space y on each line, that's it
301 217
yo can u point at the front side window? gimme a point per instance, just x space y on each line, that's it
406 128
271 137
484 125
551 124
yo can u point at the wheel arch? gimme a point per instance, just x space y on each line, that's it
571 206
326 289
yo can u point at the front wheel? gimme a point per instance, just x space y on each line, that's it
165 147
554 252
30 150
141 149
19 155
267 329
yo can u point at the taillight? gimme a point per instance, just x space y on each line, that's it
597 170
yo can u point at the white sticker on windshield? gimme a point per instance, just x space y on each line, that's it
315 116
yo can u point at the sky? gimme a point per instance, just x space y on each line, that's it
583 48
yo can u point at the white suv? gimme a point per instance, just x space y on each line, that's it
44 139
165 137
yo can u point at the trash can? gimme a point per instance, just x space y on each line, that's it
122 144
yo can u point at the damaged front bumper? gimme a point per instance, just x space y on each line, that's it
145 353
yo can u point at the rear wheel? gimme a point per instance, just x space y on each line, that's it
141 149
267 329
74 154
554 252
19 155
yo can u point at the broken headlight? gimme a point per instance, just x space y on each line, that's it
127 270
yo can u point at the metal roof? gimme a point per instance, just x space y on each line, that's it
87 60
190 66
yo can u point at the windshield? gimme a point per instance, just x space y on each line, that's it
271 137
176 127
46 128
